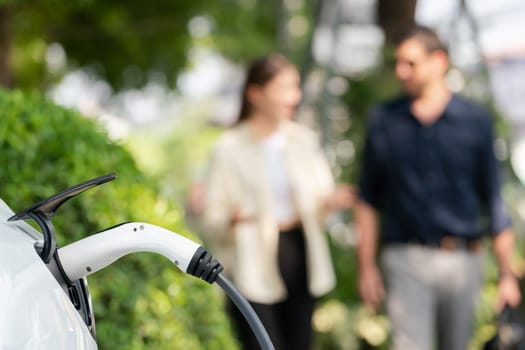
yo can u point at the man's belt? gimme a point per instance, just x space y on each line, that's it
452 243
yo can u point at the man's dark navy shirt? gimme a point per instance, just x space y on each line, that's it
429 181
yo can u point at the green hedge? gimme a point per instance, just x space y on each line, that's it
141 301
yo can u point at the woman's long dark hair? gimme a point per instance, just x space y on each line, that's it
260 72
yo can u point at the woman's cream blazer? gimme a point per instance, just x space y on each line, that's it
237 179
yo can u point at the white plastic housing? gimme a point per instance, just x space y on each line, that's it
97 251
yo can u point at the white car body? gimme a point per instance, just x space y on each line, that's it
35 311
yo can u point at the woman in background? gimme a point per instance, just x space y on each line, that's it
268 190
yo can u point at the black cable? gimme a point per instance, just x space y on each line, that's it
247 311
202 265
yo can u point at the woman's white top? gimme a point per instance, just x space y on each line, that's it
279 180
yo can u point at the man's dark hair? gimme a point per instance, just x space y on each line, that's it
424 35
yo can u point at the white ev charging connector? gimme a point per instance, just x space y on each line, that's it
72 263
91 254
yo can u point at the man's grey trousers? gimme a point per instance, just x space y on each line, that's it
431 295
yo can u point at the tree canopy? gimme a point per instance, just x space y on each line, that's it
124 40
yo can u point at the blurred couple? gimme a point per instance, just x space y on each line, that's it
427 174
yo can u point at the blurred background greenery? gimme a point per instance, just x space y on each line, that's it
146 87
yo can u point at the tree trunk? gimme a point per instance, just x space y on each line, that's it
5 47
395 16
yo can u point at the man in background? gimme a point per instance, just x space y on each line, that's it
429 175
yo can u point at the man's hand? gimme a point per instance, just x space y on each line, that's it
343 197
508 287
371 286
508 291
370 281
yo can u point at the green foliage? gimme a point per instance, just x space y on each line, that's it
124 41
142 301
176 155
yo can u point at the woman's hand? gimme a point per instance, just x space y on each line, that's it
238 217
195 199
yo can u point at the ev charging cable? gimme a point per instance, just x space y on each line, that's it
91 254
